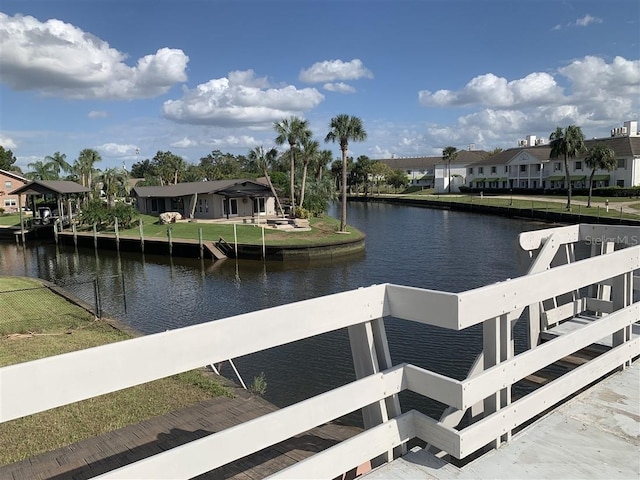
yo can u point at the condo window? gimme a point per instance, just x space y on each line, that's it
480 170
622 163
538 167
506 169
493 169
578 165
557 166
470 171
7 184
523 168
10 202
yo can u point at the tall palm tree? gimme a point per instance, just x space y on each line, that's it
41 170
264 159
114 181
309 151
59 161
85 166
343 128
567 144
449 155
600 157
324 159
292 131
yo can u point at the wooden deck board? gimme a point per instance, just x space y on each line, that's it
111 450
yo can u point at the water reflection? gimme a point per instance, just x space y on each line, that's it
425 248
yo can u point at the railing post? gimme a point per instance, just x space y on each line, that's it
622 295
370 352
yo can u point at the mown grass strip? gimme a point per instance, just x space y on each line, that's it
30 332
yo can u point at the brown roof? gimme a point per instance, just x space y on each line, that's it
622 146
60 187
541 152
15 175
191 188
465 157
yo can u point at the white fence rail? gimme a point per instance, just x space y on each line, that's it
43 384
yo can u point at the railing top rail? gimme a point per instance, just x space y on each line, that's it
629 235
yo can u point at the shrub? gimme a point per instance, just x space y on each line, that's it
103 216
259 384
302 213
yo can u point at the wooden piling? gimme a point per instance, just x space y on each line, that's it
95 236
141 235
115 226
75 234
200 242
170 241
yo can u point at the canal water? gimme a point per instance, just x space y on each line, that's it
419 247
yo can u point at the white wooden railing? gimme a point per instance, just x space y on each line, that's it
40 385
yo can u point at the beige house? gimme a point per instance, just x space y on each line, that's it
10 181
208 200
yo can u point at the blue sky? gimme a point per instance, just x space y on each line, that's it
193 76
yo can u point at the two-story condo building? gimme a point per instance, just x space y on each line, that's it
434 172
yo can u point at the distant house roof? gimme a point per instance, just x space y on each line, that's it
622 146
15 175
540 152
424 163
60 187
228 188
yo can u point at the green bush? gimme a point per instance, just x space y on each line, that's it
302 213
99 213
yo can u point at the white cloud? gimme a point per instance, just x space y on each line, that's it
184 143
98 114
493 91
7 142
59 59
235 141
333 70
587 20
580 22
339 87
117 150
238 101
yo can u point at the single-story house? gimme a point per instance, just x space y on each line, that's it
9 181
208 200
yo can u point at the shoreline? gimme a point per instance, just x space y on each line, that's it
508 211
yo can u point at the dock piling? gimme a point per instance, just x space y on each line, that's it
141 235
95 236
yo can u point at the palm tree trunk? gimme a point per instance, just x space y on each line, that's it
273 190
590 187
304 183
292 179
568 180
343 213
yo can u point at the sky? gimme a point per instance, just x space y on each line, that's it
130 78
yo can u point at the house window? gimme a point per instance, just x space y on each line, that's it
480 169
230 206
622 163
578 165
259 206
200 205
10 202
154 204
408 172
494 169
506 169
538 167
523 168
620 183
7 184
557 166
470 170
206 205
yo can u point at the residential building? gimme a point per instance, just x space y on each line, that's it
10 181
434 172
208 200
529 166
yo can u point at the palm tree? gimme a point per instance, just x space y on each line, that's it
324 158
41 171
84 166
343 128
568 144
292 131
114 181
310 149
449 155
59 161
600 157
263 160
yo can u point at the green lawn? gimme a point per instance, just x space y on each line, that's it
30 331
323 231
524 204
10 220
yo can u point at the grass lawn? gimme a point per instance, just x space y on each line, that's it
323 231
29 333
535 204
10 219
